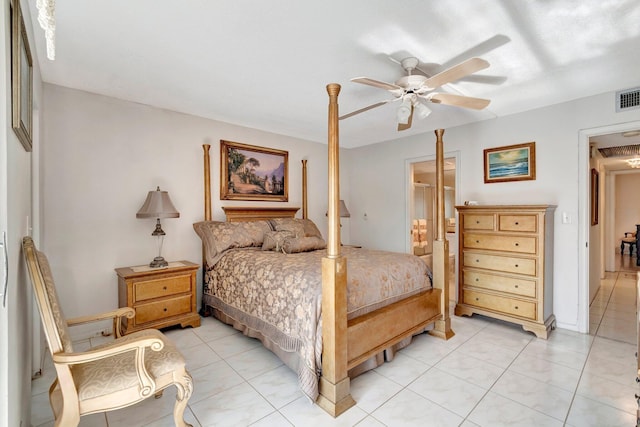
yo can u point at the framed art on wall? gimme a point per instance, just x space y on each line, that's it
595 182
248 172
21 79
510 163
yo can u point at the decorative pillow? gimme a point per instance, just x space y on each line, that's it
303 244
218 237
273 240
300 227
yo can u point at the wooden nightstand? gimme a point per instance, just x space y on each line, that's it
161 297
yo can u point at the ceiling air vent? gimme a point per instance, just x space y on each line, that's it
628 99
621 151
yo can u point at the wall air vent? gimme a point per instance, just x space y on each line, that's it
628 99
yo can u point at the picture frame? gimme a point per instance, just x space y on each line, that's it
510 163
21 79
595 183
249 172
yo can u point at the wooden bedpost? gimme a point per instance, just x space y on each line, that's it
335 397
442 327
304 188
204 311
207 183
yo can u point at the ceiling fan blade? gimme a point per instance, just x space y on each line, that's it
488 80
362 110
456 72
376 83
459 100
403 126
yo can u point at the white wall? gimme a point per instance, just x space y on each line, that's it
378 179
15 208
627 204
103 155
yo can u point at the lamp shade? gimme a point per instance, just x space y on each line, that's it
158 205
344 212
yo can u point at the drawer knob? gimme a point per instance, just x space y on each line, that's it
517 244
477 260
517 222
164 288
516 265
516 286
165 309
477 280
477 299
477 222
477 241
516 307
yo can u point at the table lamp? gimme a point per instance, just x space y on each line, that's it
158 205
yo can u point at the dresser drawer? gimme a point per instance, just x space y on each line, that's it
163 309
505 305
500 263
478 222
520 244
524 223
162 287
516 286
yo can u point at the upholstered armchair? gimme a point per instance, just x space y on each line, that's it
111 376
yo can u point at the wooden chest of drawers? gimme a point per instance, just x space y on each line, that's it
161 297
506 264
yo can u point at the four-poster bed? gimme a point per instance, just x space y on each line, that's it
342 335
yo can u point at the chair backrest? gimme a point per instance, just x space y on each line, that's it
53 320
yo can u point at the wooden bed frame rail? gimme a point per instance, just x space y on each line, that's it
346 344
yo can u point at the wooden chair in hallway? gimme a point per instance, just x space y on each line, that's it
111 376
629 239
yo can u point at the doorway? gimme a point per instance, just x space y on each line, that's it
420 222
598 236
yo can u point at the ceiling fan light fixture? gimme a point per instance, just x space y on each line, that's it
404 111
422 110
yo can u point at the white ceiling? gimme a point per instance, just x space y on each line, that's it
265 64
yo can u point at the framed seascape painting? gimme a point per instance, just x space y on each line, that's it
21 78
510 163
248 172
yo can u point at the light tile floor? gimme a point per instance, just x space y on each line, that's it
489 374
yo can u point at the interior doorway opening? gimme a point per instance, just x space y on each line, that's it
422 210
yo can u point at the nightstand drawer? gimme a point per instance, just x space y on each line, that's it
520 244
501 304
163 287
525 223
500 263
162 309
516 286
478 222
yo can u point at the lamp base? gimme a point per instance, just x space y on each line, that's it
158 262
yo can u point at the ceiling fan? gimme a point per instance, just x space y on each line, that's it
414 91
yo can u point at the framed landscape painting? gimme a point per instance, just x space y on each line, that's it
248 172
21 79
510 163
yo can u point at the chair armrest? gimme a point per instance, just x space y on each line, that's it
135 344
116 315
113 349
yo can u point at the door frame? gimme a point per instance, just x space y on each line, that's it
584 223
408 166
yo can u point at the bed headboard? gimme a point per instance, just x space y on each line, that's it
244 213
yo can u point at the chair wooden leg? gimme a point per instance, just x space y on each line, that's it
184 388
